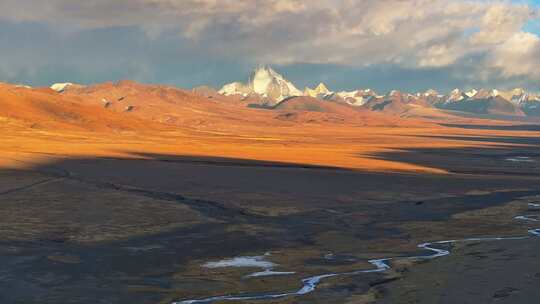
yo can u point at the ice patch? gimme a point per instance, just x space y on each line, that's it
520 159
527 218
248 261
381 264
329 256
268 272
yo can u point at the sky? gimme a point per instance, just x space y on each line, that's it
410 45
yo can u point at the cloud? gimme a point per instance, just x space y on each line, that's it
500 22
411 34
517 56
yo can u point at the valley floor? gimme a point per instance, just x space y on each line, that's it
128 217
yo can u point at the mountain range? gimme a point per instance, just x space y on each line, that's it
266 98
268 88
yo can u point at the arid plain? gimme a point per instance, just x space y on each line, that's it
119 193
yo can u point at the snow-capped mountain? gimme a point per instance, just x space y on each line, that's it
354 98
456 95
480 101
520 96
268 83
236 88
431 92
471 93
321 91
271 88
265 82
61 87
482 94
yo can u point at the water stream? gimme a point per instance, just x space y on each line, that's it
309 284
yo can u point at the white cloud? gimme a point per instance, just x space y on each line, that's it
500 22
518 56
409 33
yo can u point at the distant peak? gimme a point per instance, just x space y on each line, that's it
61 87
471 93
265 82
265 69
320 90
322 87
431 92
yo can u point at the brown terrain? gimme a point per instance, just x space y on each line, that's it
116 119
118 192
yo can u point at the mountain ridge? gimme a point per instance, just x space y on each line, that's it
272 88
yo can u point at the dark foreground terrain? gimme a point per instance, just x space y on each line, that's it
104 230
